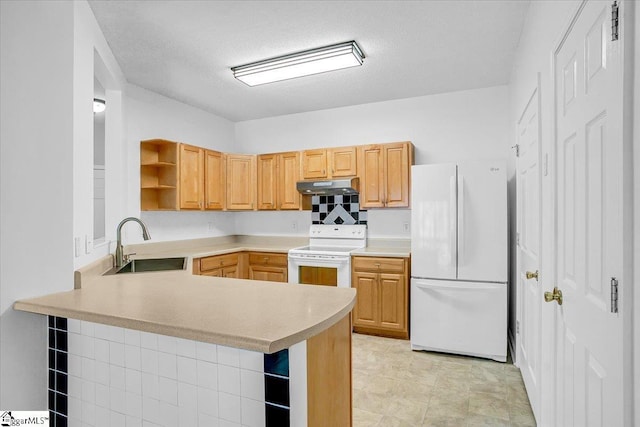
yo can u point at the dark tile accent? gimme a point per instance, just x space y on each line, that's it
52 401
61 403
346 199
52 359
322 216
61 382
61 421
277 363
339 220
355 198
58 365
52 321
325 204
323 199
331 199
61 323
52 338
276 416
52 379
61 340
276 390
61 361
315 208
347 207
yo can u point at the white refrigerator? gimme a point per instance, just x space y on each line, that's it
459 258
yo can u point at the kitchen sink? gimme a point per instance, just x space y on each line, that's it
151 264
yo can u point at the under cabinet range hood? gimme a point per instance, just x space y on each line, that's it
329 186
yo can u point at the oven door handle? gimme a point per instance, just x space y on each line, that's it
328 258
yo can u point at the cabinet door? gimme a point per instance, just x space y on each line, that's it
214 176
365 311
213 273
393 301
270 274
230 272
314 164
343 161
371 172
396 172
191 177
241 182
288 176
267 185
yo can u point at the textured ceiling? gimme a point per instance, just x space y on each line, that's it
184 49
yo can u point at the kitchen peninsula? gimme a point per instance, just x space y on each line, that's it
172 348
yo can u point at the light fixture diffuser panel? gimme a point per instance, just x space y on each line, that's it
316 61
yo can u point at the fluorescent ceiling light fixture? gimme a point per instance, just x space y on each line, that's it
314 61
99 105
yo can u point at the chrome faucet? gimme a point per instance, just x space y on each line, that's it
120 256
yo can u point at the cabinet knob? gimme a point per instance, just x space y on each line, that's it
266 259
377 265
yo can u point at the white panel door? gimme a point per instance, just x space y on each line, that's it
589 185
528 290
482 221
433 221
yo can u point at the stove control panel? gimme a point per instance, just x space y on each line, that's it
325 231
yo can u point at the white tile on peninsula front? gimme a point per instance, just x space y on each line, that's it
187 396
187 417
186 348
228 356
101 349
167 365
252 413
167 344
87 344
87 328
133 421
75 365
74 344
207 352
132 357
103 373
168 414
132 337
74 385
208 401
252 385
252 360
102 417
187 371
73 326
117 401
88 369
229 407
117 419
102 396
207 420
133 380
151 410
149 340
229 379
168 390
149 359
74 406
150 385
207 374
133 405
117 377
225 423
109 333
116 353
88 391
88 413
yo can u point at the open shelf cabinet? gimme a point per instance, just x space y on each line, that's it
158 175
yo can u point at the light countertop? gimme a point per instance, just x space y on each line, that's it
248 314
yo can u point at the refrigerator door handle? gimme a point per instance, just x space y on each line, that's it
452 220
457 286
460 219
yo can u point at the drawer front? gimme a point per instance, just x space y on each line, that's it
387 265
268 258
209 263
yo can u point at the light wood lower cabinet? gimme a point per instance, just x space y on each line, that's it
271 267
382 301
219 266
268 266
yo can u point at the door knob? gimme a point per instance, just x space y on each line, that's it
532 275
556 295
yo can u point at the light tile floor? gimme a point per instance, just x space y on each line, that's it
394 386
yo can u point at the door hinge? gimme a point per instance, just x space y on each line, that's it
614 295
517 149
517 326
614 21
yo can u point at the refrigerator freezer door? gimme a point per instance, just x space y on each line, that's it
433 221
482 221
459 317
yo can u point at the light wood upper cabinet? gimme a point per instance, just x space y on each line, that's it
241 182
214 180
385 174
329 163
382 299
191 177
342 161
159 174
267 169
288 175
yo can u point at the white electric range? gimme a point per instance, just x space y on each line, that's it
327 259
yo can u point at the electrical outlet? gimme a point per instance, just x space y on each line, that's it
88 244
294 226
210 226
405 227
77 246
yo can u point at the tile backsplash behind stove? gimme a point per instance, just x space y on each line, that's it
339 209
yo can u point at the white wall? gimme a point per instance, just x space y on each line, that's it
635 10
150 115
444 128
36 170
